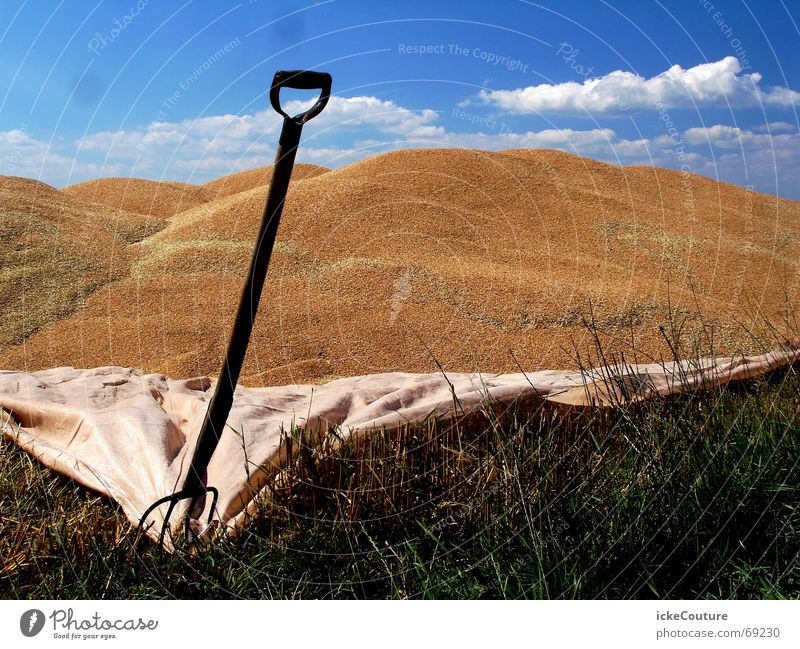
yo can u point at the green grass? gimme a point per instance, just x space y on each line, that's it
695 496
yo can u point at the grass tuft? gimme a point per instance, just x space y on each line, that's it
693 496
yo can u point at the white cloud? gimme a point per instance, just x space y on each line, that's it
199 149
354 128
734 137
719 83
18 149
201 145
547 138
767 161
371 112
776 127
23 155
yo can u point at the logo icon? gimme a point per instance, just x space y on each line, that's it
31 622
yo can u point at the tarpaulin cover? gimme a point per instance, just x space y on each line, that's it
131 435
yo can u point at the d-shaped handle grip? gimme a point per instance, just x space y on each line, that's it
301 80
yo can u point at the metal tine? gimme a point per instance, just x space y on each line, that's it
173 500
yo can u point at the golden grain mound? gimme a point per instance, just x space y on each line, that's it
54 251
149 197
252 178
459 259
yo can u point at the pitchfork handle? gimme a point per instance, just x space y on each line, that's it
301 80
222 400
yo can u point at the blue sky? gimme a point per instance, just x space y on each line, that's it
178 90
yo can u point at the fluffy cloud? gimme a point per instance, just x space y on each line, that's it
23 155
720 83
374 113
768 161
18 149
736 138
776 127
230 133
213 145
354 128
567 138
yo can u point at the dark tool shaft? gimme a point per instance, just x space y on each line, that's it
221 402
194 486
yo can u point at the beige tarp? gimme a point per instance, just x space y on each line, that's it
130 435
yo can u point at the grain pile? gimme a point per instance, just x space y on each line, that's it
468 260
149 197
54 251
252 178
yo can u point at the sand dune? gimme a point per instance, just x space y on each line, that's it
466 260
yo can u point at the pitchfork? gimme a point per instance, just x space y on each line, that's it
195 487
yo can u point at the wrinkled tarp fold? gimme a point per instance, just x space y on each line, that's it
130 435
